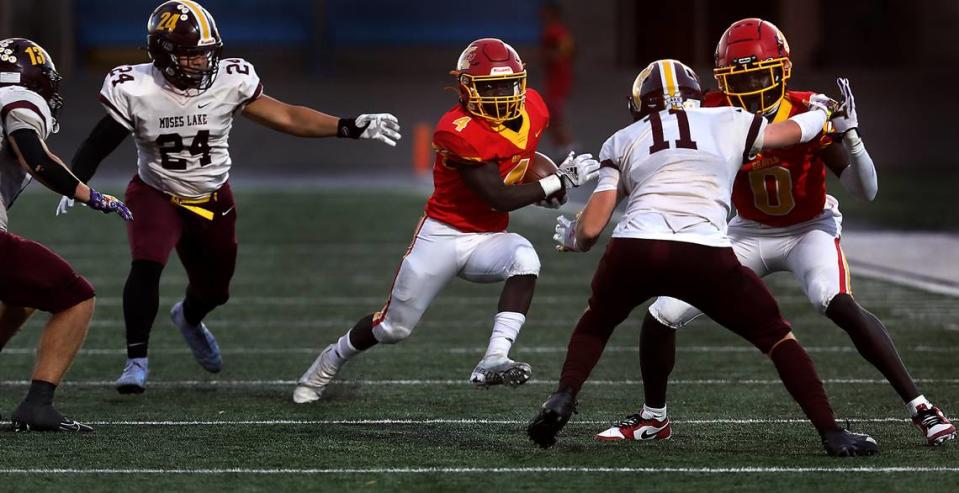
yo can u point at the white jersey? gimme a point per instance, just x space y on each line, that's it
20 109
677 169
182 141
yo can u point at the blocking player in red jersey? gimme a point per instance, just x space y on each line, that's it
785 222
32 277
180 109
483 145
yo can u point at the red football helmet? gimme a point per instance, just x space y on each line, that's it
492 80
664 84
752 65
184 43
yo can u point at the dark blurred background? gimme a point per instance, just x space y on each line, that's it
346 57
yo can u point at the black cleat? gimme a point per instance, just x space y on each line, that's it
552 417
36 417
844 443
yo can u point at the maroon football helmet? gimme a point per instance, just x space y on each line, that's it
492 80
664 84
25 63
184 44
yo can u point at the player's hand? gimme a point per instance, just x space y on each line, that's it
565 235
553 202
383 127
848 119
107 204
823 103
578 170
65 204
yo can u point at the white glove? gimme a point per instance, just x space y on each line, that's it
823 103
848 120
565 235
64 206
553 202
383 127
578 170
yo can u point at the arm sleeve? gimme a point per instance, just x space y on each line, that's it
104 138
116 101
860 176
41 165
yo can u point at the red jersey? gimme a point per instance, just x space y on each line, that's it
464 137
781 187
557 43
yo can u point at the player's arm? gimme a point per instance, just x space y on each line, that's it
582 233
307 122
850 161
102 141
797 129
484 179
48 169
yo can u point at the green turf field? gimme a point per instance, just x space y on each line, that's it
312 262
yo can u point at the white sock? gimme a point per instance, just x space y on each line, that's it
344 350
913 405
653 413
506 327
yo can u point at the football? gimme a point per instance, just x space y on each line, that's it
541 167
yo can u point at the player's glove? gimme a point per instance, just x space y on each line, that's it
847 120
554 202
383 127
823 103
578 170
107 204
565 235
65 204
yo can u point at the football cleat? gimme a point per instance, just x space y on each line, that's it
552 417
206 351
844 443
43 417
313 383
133 380
934 425
634 427
500 371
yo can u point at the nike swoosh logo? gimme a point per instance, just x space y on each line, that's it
647 435
201 106
537 133
227 211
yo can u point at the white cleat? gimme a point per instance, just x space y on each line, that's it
500 371
311 385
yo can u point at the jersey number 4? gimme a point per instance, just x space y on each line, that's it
173 144
659 140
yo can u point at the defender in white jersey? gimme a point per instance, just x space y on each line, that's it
676 165
32 277
180 109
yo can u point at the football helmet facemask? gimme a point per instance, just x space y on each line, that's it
752 65
664 84
492 80
25 63
184 44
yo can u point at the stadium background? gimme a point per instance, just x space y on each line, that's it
323 223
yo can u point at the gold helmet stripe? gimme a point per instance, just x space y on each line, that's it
200 15
669 75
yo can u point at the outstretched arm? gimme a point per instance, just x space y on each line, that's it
103 140
582 233
307 122
33 155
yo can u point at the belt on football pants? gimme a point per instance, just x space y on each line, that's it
193 205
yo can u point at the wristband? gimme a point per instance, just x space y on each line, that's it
347 128
551 184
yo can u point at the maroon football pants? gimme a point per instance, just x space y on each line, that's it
33 276
711 279
206 247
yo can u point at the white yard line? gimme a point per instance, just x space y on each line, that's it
449 421
493 470
463 382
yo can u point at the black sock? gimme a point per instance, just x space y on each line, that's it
657 356
40 392
141 300
361 335
195 309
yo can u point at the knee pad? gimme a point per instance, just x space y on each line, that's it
525 261
672 313
390 332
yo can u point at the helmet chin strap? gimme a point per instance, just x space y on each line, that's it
771 112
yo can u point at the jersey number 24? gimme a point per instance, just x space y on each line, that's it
170 144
